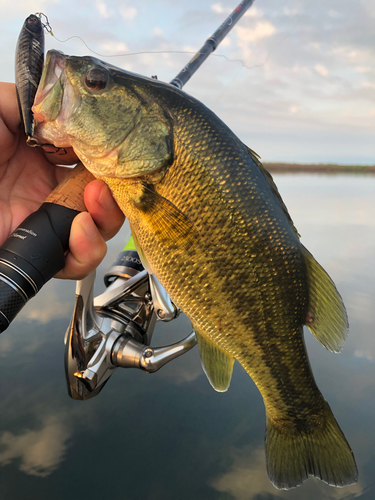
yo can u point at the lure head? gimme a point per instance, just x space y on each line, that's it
34 24
109 116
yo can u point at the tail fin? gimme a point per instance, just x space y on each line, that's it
294 455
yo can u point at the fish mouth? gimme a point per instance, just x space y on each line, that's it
47 106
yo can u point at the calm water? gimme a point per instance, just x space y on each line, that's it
169 435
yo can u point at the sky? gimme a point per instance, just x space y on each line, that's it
297 83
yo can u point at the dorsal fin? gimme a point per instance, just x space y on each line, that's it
273 186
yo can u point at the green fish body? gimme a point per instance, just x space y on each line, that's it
210 223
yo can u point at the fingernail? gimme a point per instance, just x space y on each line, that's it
106 200
88 225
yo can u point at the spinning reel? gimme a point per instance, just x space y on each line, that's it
115 328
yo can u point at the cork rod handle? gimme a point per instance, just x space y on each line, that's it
69 193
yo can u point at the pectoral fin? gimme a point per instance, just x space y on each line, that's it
165 220
216 363
326 317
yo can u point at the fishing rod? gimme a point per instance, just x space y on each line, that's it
114 329
211 44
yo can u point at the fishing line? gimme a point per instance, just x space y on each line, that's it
48 28
126 54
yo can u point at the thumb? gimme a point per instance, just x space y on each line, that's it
87 248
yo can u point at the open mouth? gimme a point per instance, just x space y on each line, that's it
53 69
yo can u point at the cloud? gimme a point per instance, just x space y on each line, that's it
219 9
322 70
11 344
246 476
363 69
48 305
293 11
184 369
113 47
158 31
254 12
261 30
103 9
40 451
226 42
368 85
251 12
334 13
27 6
128 13
183 373
248 36
6 345
364 354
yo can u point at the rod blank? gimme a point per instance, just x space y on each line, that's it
210 44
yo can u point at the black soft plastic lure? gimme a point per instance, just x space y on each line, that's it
29 67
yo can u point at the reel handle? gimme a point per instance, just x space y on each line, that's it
35 251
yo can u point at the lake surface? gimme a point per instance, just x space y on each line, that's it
169 435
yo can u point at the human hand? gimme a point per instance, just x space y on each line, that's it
27 176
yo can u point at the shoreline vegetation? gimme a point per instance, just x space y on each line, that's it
318 168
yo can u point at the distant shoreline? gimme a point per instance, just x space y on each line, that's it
319 168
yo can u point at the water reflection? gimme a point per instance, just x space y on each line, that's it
38 451
247 479
169 435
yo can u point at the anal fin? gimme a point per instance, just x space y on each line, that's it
217 364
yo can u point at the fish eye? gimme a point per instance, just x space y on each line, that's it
96 79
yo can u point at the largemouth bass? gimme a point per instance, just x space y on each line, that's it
210 223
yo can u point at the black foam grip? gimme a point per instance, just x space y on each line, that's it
11 302
31 256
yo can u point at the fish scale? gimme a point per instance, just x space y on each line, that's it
234 175
210 223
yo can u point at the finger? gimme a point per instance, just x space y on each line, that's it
103 208
9 121
9 110
87 248
9 143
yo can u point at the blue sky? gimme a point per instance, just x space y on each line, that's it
304 93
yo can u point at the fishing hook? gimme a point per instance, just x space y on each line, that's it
45 25
33 143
